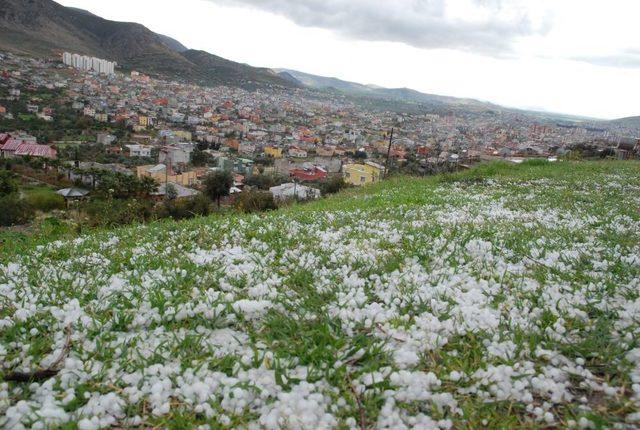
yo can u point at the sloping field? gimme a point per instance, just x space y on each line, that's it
504 297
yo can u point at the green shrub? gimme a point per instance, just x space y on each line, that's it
8 183
255 201
14 210
533 162
117 212
199 205
333 185
266 181
45 201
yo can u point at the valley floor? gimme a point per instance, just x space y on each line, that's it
502 297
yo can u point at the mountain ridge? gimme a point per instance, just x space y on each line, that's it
46 28
409 94
398 94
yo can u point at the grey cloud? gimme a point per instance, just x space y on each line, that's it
419 23
629 59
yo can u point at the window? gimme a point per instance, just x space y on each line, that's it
362 179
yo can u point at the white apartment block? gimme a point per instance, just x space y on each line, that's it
139 150
90 64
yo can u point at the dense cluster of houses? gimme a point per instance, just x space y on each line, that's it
306 135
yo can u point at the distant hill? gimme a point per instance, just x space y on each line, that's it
632 122
398 94
172 44
289 77
45 28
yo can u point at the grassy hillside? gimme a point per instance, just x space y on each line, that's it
503 297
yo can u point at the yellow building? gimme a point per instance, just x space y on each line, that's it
182 135
273 152
362 174
101 117
187 179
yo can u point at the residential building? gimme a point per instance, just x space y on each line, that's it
326 151
182 192
246 148
144 121
273 152
297 152
8 149
90 64
105 138
178 154
24 149
294 191
161 175
362 174
139 150
308 172
182 135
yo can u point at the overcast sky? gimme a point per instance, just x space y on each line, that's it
572 56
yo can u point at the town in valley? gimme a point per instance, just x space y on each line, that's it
176 133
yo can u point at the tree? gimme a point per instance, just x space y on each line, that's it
360 155
14 210
199 158
149 185
256 201
172 192
218 184
8 184
121 186
333 185
266 181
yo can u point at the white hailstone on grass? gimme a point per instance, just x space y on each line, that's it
503 350
633 417
455 376
405 358
252 309
89 424
584 423
302 408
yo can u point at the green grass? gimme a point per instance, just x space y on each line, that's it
505 296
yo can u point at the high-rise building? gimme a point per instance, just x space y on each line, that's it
89 64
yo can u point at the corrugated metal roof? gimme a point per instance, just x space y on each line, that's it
12 144
35 150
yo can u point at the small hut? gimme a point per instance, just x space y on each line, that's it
73 194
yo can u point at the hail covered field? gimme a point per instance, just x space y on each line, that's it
505 297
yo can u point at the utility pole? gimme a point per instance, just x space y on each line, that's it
166 175
386 164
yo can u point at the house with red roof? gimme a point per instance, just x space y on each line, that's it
308 173
20 148
8 150
35 150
